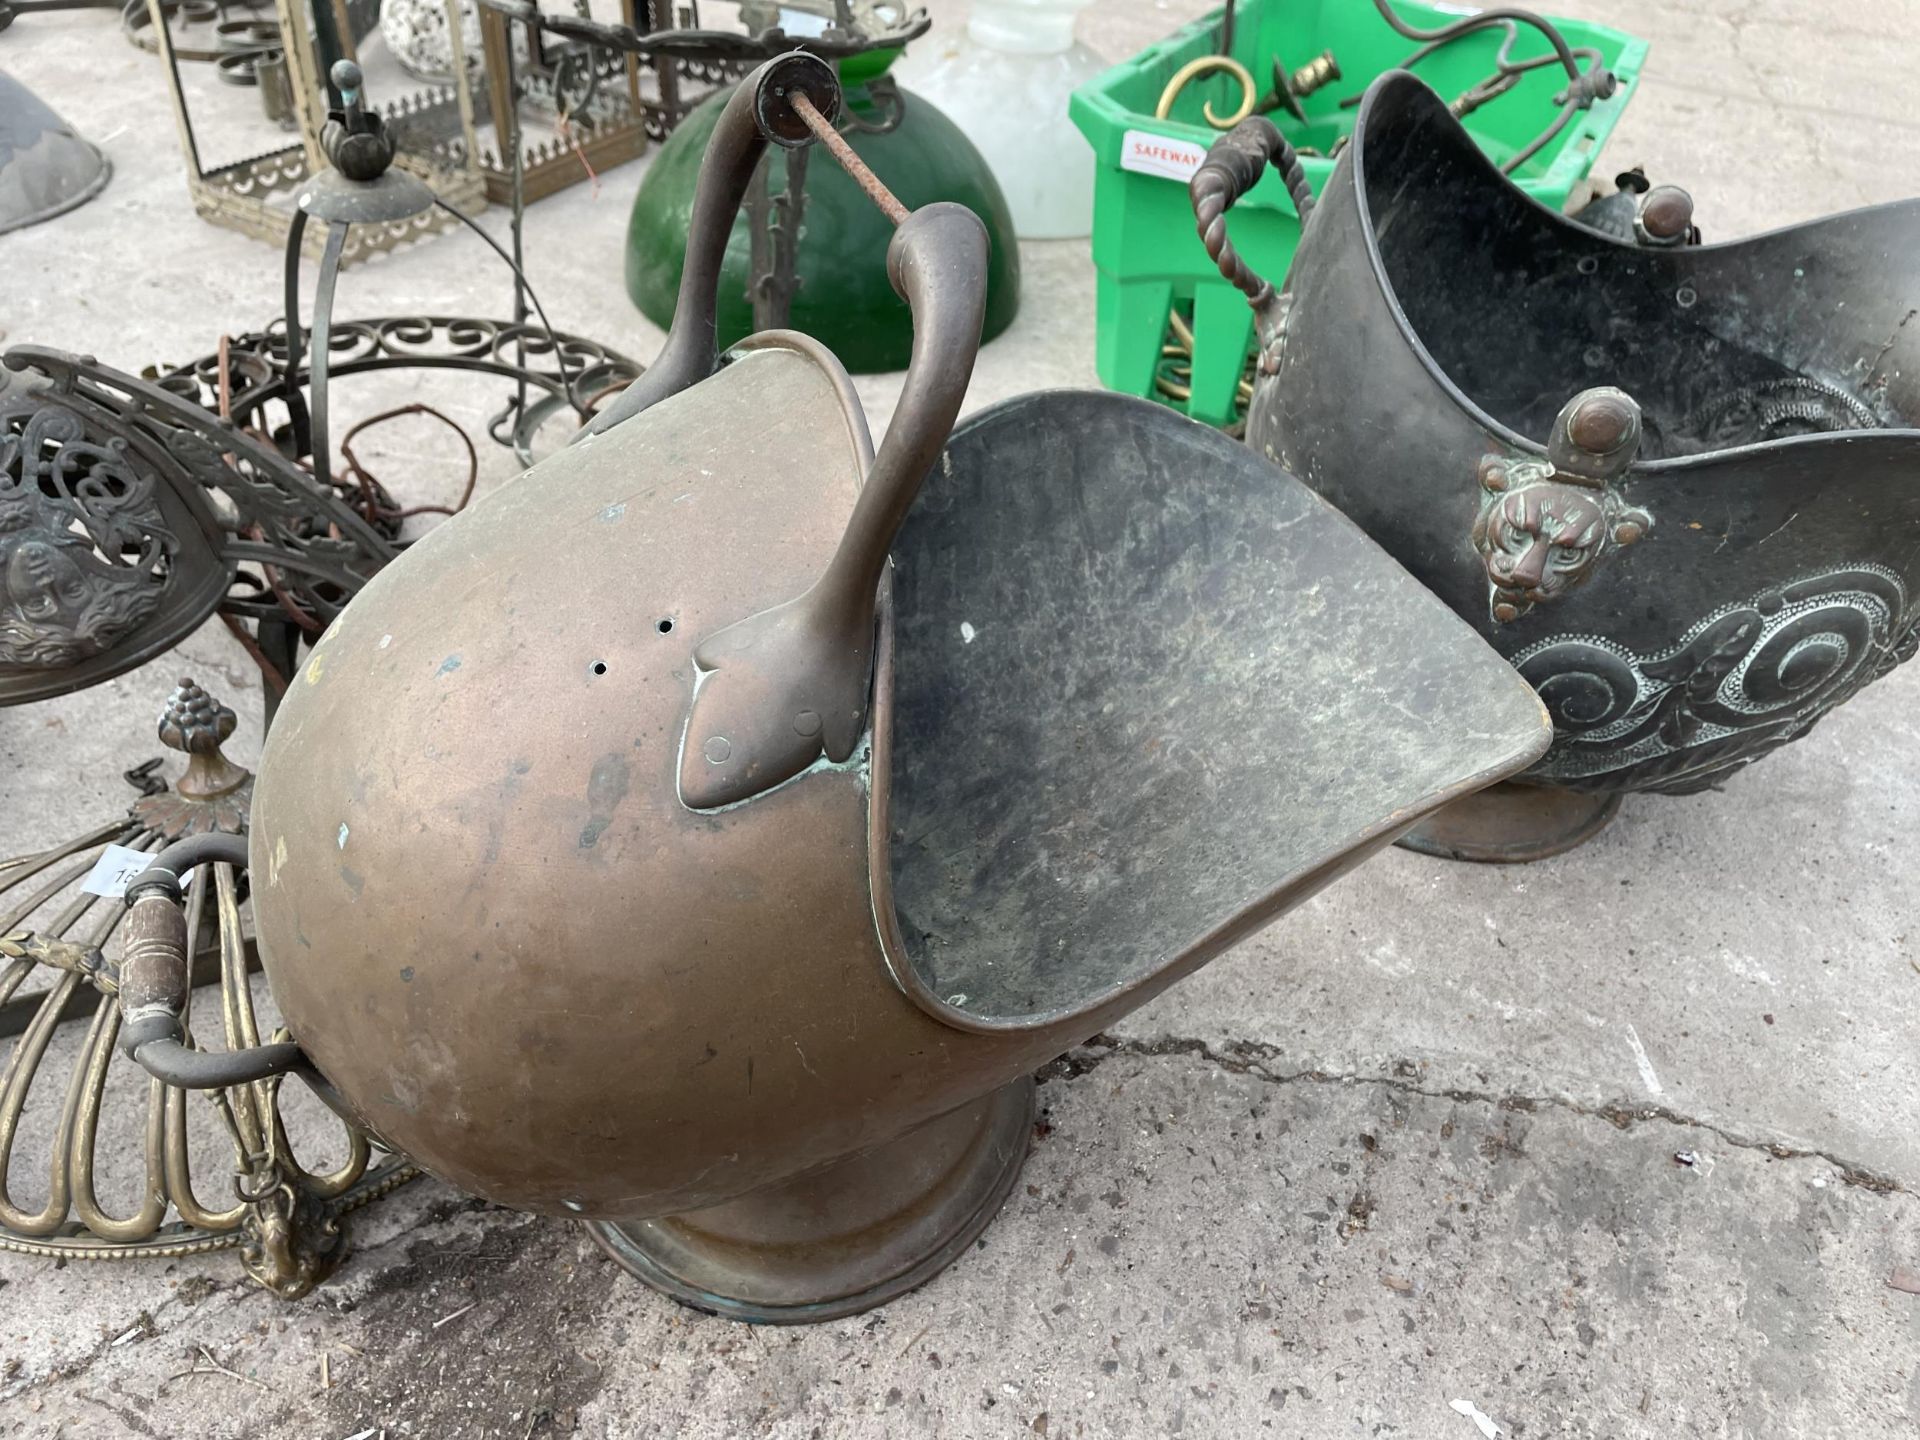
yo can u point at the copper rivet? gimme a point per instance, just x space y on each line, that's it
1666 212
717 750
807 722
1600 425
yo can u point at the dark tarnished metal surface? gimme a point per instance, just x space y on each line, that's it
1754 566
1514 824
112 548
1143 682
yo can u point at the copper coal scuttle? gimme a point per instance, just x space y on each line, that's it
707 834
1672 483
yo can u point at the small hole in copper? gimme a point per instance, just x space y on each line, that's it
665 627
599 667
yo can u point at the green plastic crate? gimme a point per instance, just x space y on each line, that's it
1150 261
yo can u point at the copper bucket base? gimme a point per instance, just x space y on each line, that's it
845 1238
1509 824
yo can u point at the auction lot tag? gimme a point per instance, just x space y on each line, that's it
115 869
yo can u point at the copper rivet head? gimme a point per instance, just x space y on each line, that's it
1666 212
1603 424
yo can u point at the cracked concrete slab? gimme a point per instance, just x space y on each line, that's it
1199 1246
1418 1144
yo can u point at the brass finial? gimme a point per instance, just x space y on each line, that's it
215 793
196 724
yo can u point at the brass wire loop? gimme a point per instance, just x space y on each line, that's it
1207 65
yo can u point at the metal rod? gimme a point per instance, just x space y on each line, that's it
523 286
507 129
856 167
1480 21
462 77
317 367
296 341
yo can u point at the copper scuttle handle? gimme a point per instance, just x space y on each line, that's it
762 108
778 691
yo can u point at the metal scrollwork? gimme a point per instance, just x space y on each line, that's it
128 515
1744 681
84 550
568 371
1775 410
130 511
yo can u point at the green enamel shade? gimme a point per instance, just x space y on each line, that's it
844 298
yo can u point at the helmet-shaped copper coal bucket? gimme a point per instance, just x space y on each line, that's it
709 833
1674 484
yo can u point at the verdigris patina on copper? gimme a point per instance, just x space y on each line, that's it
1547 523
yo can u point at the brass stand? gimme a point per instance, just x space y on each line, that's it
845 1238
1510 824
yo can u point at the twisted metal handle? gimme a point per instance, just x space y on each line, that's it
1234 166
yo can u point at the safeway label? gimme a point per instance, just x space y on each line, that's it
1158 155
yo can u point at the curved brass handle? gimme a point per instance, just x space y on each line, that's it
154 978
762 109
1206 65
778 690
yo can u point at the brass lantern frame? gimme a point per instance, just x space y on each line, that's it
243 195
615 118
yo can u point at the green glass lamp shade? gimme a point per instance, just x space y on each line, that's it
844 298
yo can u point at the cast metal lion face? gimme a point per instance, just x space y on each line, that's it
1541 538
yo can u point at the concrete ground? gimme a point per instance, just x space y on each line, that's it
1414 1146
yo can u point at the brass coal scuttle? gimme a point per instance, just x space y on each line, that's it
707 834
